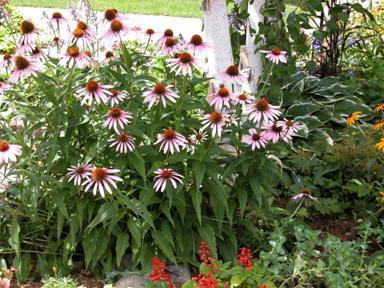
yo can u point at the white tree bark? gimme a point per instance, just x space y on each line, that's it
216 30
254 59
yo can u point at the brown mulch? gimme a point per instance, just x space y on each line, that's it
344 229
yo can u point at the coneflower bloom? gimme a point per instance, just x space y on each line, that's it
94 91
165 175
80 38
28 31
116 97
353 118
149 33
275 132
183 64
197 45
85 27
109 56
115 34
110 15
73 56
117 119
305 196
262 111
79 172
378 125
170 46
6 60
275 55
102 179
36 54
221 98
199 137
378 108
232 75
255 139
159 93
215 121
243 98
24 67
57 18
4 87
167 33
8 152
171 141
290 127
380 145
123 142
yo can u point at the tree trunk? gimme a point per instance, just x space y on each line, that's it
216 29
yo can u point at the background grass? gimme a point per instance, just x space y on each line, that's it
185 8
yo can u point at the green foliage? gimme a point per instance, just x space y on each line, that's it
64 282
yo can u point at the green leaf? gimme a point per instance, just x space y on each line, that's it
163 245
207 234
59 201
199 169
134 230
243 198
122 243
138 163
106 211
14 240
302 109
237 280
197 199
188 284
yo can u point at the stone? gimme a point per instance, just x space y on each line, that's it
180 274
131 280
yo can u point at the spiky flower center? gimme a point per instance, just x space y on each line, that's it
88 53
115 112
256 137
81 25
108 54
215 117
4 146
233 70
114 93
277 129
7 56
166 173
169 134
35 51
223 92
99 174
73 51
168 33
110 14
196 40
92 86
116 25
123 137
26 27
289 123
150 31
170 42
56 39
185 58
21 63
159 89
276 51
80 170
78 33
262 105
306 191
57 15
243 96
199 136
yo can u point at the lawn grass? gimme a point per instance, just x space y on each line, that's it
184 8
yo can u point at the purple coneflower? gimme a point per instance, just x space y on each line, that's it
80 38
160 93
262 111
4 87
94 91
305 196
108 57
199 137
165 175
101 180
24 68
243 98
123 142
116 97
232 75
183 64
57 18
117 119
8 152
28 31
290 127
115 33
274 132
73 56
6 60
171 141
167 33
215 121
170 46
221 98
276 55
197 45
255 139
79 172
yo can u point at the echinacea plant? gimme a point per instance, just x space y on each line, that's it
119 148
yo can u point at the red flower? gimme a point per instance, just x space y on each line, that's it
205 281
245 258
262 286
159 274
205 256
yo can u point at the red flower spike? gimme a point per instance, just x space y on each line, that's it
159 274
245 258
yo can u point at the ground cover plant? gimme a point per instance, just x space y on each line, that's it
116 145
